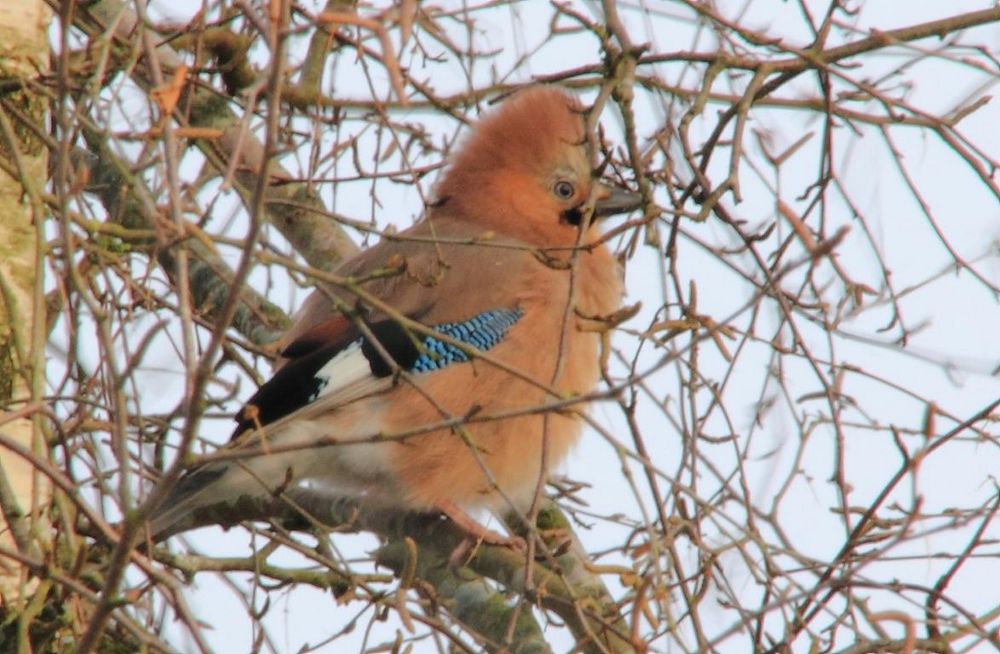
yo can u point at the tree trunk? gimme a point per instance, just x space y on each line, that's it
23 492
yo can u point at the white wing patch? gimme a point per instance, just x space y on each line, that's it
348 368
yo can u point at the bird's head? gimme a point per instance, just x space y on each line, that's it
524 171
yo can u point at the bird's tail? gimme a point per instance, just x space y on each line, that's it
220 493
247 487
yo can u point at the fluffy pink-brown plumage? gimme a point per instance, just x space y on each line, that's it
497 255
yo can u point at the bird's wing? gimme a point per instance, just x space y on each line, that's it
441 282
338 359
364 360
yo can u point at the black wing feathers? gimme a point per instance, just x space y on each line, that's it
384 347
298 382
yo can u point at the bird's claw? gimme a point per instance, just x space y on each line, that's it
464 551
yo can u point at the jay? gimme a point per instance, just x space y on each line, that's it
422 382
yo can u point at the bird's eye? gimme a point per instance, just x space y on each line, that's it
564 190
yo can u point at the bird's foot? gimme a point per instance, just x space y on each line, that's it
466 549
475 534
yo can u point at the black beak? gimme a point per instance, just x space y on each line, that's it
613 201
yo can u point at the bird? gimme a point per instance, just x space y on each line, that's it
438 374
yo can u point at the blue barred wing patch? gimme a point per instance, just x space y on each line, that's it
353 363
482 332
416 353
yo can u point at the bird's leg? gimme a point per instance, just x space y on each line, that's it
475 533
